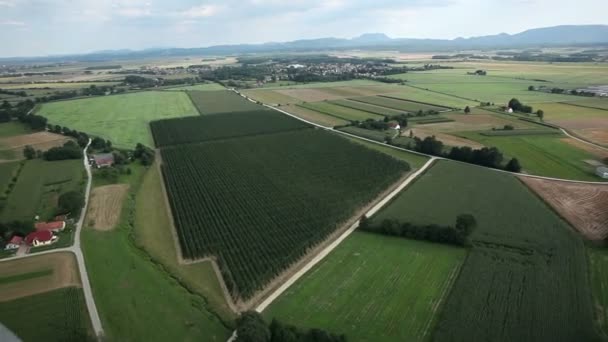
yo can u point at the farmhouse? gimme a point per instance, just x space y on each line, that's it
55 226
602 171
41 238
103 160
394 125
14 243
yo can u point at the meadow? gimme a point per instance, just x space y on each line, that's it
57 315
199 87
373 288
7 172
366 107
598 261
522 252
123 119
379 136
418 94
38 186
132 289
314 116
397 104
416 161
217 127
13 128
340 112
543 155
222 101
291 192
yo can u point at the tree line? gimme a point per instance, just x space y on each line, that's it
458 234
251 327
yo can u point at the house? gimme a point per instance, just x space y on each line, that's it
55 226
394 125
509 110
602 171
103 160
14 243
41 238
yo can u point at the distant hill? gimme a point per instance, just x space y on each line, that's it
565 35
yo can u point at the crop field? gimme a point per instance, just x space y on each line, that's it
421 95
12 147
37 274
375 135
479 121
270 96
123 119
373 288
216 127
340 112
200 87
366 107
38 186
105 205
583 205
291 192
402 105
416 161
219 102
7 171
598 260
562 111
314 116
543 155
59 315
447 139
596 103
523 258
13 128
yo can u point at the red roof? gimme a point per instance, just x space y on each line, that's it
43 235
393 124
16 240
50 225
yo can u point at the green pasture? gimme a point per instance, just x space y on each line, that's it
598 260
373 288
223 101
415 160
200 87
123 119
349 114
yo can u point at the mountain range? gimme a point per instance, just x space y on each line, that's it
565 35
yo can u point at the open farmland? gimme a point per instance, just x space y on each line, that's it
123 119
421 95
340 112
373 288
543 155
523 258
394 103
105 205
367 107
58 315
291 191
200 87
40 141
216 127
270 96
37 274
583 205
221 101
38 186
598 260
379 136
7 172
314 116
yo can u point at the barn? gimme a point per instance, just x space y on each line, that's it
55 226
41 238
103 160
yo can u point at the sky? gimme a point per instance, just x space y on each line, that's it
48 27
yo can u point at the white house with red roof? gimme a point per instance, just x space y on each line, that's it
14 243
41 238
55 226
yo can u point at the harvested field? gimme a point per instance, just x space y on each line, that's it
106 205
270 96
64 273
600 153
447 139
39 141
314 116
583 205
310 95
597 135
476 122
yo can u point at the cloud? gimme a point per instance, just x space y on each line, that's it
12 23
201 11
7 3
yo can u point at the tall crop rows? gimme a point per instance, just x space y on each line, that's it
213 127
259 203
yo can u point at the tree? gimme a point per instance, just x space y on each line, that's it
513 165
29 152
98 143
70 202
465 224
541 114
251 327
467 110
531 88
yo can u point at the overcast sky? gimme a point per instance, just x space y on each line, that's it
43 27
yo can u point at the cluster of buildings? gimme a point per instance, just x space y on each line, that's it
43 234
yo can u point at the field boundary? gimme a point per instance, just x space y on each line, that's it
420 102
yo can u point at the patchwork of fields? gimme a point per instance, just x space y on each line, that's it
522 253
222 101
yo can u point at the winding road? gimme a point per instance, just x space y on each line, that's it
76 249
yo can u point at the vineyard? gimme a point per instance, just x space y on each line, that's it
214 127
58 315
259 203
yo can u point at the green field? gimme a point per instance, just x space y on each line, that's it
341 112
224 101
7 171
314 116
269 96
371 134
598 260
58 315
373 288
136 298
200 87
367 107
10 129
557 111
543 155
417 94
523 258
38 186
402 105
415 160
123 119
598 103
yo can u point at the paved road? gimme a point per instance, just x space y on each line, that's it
75 248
